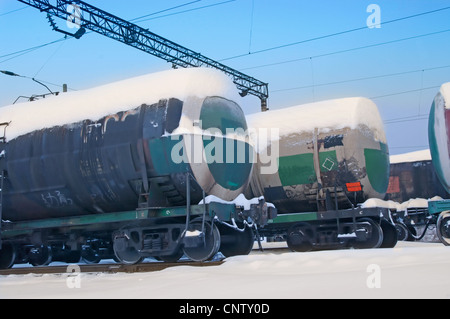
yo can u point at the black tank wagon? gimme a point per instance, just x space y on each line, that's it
119 169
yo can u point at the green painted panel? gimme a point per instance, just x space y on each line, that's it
222 114
328 161
297 169
434 149
229 161
74 221
224 211
377 167
293 218
437 207
161 154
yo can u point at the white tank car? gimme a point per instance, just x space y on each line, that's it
312 156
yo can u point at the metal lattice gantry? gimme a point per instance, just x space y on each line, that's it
104 23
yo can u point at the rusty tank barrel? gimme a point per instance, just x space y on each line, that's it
107 149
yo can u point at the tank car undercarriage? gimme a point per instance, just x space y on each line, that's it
166 234
360 228
435 216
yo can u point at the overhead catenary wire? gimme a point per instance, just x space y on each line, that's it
310 58
418 117
392 121
406 119
49 59
19 53
16 54
361 79
165 10
276 47
185 11
347 50
25 51
12 11
333 34
405 92
42 82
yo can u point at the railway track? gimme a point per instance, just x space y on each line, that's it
112 268
105 268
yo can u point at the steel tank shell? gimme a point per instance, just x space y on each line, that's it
104 165
439 135
336 147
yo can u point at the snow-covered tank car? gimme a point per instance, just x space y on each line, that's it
101 145
325 153
110 165
439 135
315 163
439 140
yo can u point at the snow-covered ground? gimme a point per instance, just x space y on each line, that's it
410 270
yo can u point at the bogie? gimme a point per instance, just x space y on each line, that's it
443 228
334 230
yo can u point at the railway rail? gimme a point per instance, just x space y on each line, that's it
105 268
113 268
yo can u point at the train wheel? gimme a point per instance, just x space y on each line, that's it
390 235
236 243
300 237
205 245
125 251
412 233
90 255
73 256
402 232
443 228
7 255
128 256
373 232
40 256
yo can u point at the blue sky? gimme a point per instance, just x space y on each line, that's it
400 65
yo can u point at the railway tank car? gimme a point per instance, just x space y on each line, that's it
439 135
321 161
134 143
439 141
97 166
335 147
